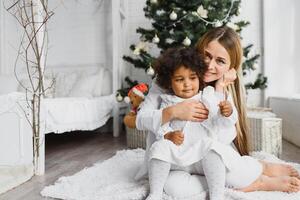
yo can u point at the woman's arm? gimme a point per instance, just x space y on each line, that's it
151 118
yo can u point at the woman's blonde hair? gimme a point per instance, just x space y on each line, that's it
230 40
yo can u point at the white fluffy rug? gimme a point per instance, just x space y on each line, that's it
113 180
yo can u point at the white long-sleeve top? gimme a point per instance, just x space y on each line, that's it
149 118
199 138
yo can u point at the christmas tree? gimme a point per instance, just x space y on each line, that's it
178 23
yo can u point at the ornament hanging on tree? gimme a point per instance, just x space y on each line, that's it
119 97
150 71
173 15
153 1
155 39
186 42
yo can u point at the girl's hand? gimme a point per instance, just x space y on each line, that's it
190 110
176 137
225 108
227 79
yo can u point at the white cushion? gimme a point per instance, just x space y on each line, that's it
103 84
84 87
64 83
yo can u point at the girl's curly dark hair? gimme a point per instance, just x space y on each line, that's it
172 59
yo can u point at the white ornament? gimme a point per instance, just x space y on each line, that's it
155 39
160 12
140 46
202 12
119 97
239 11
127 99
184 12
218 24
137 51
232 25
150 71
255 66
153 1
186 41
173 15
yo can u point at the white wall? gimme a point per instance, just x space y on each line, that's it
9 41
297 46
252 34
281 37
79 34
136 19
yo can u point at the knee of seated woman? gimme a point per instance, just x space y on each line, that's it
182 184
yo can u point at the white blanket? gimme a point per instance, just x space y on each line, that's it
113 179
68 114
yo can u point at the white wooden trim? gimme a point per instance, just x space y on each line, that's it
40 160
119 33
2 39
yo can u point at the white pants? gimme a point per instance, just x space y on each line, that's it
188 181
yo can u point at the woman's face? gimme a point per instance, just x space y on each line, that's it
185 82
217 59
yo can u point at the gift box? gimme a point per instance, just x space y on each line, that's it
265 131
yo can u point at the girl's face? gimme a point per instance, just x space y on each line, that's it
185 82
217 59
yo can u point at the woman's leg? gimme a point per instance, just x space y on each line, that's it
214 171
158 173
278 169
280 183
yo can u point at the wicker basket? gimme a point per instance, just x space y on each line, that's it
266 132
136 138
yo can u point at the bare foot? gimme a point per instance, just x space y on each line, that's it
281 183
277 169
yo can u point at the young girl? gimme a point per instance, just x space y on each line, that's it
222 50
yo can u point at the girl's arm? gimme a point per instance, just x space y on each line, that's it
233 117
226 125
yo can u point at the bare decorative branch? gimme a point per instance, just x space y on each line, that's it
32 16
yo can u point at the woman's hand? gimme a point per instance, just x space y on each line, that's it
176 137
190 110
227 79
225 108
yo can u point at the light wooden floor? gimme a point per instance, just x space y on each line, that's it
67 154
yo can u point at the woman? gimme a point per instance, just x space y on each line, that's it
222 52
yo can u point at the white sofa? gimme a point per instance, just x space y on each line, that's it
288 108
